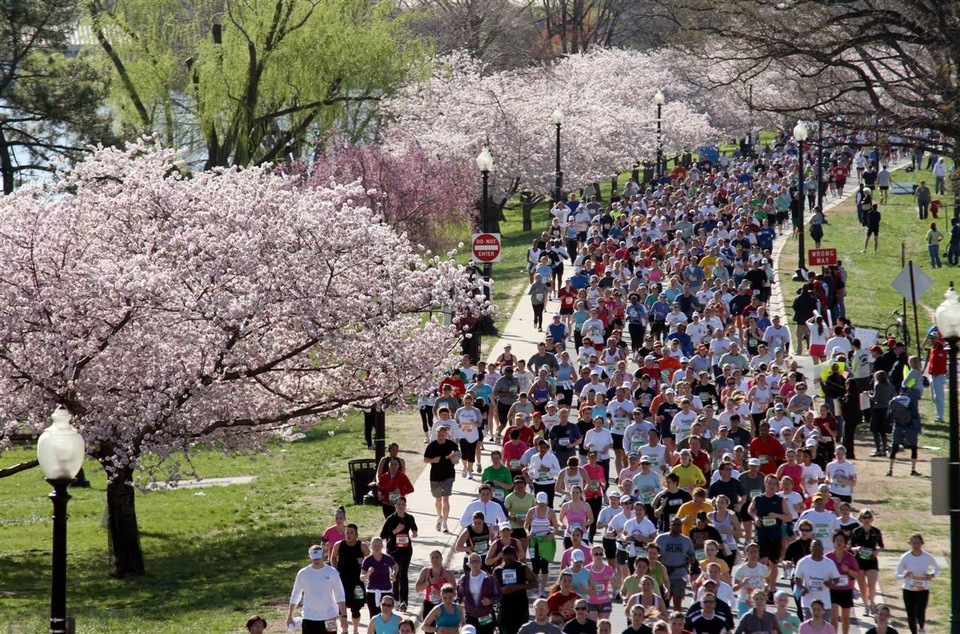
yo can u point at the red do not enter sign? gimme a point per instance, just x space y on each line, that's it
486 247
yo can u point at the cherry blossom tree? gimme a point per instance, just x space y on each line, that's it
427 198
606 95
227 308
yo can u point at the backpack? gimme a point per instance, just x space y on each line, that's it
898 411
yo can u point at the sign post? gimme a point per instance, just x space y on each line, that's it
912 282
486 248
821 257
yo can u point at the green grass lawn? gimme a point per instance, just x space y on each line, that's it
213 555
903 502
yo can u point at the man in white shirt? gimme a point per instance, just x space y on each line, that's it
320 588
777 335
825 522
492 510
814 575
543 469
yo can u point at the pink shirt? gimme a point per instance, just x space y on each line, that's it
848 560
807 628
601 585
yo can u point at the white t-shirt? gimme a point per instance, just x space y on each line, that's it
468 423
824 525
657 455
620 414
755 577
814 574
682 422
840 475
597 440
811 475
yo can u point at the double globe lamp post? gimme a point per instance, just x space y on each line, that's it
485 165
60 452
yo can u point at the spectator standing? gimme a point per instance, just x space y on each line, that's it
933 239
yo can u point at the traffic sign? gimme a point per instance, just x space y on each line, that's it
486 247
821 257
921 282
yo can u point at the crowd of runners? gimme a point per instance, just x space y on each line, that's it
661 454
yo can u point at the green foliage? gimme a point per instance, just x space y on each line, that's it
247 81
49 102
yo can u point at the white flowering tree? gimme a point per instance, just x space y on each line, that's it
606 96
227 308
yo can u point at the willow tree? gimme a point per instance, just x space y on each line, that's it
242 82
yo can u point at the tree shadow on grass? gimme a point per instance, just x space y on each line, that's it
234 572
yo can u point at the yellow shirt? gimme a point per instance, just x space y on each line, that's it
688 513
690 476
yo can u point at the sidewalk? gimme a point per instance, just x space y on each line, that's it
520 332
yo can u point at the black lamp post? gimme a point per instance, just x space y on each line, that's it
659 100
60 452
558 121
485 163
800 134
948 323
820 164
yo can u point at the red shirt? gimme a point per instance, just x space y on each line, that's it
568 297
556 602
513 451
456 383
399 484
770 448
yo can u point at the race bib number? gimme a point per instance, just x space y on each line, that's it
485 620
654 460
865 553
599 588
919 584
498 494
769 521
330 625
468 429
843 580
755 493
481 548
619 424
594 486
403 540
646 495
764 459
509 576
514 464
434 595
394 496
821 532
701 554
564 442
358 592
816 585
521 516
755 583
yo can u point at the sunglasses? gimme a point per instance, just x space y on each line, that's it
580 607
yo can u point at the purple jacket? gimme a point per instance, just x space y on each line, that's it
489 589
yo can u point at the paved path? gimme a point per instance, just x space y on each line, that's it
520 332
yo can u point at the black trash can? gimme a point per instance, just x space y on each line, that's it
362 472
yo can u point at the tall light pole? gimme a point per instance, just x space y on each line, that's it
659 100
60 453
800 134
485 164
820 164
948 323
558 121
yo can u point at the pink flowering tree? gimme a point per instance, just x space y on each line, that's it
227 308
606 96
427 198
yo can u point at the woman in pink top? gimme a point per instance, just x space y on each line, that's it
816 624
337 532
841 594
601 574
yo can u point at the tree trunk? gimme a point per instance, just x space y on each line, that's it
6 164
126 556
